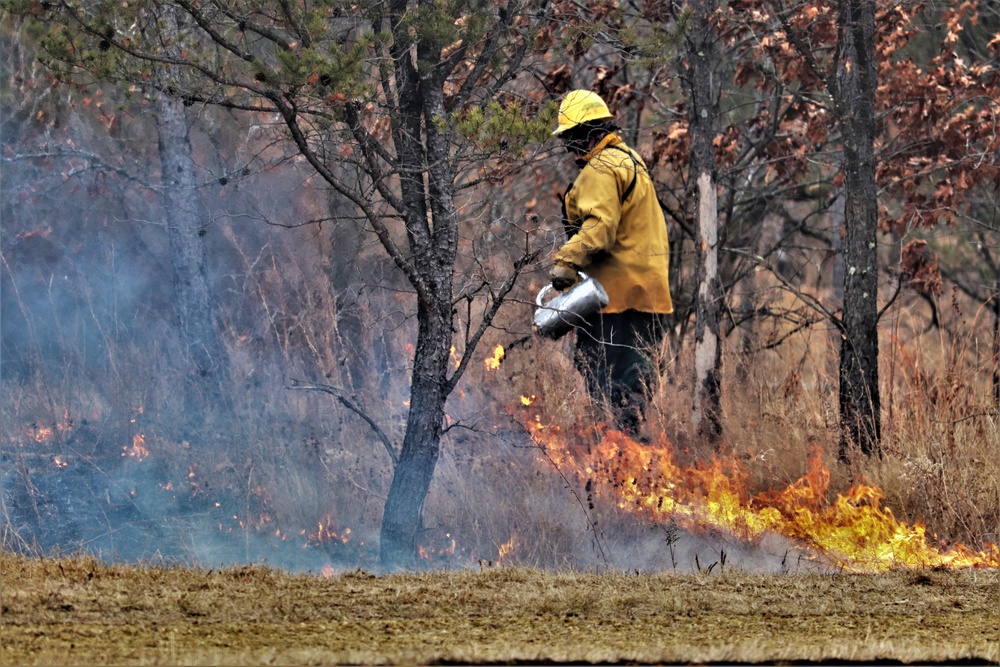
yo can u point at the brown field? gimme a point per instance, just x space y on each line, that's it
78 611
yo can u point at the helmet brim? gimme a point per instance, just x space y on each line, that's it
569 126
562 128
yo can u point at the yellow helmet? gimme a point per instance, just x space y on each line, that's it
578 107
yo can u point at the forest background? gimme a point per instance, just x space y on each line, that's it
220 369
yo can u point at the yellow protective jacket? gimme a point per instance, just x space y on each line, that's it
622 240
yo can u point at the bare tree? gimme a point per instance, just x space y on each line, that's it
702 80
205 354
853 91
392 104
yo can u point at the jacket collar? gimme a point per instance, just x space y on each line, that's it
609 139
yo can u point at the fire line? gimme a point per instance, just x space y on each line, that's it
854 531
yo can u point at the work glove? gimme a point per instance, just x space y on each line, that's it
563 276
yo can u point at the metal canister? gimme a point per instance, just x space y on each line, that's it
570 308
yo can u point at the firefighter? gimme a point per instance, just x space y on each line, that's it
617 235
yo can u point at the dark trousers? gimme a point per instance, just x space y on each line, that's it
613 354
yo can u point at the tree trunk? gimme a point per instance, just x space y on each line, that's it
837 245
432 226
342 271
205 358
707 412
402 516
996 348
185 229
994 301
703 85
860 406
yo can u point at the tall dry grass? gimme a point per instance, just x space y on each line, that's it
296 479
942 462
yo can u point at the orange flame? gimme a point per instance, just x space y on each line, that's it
138 449
429 552
493 363
326 533
507 548
41 434
854 532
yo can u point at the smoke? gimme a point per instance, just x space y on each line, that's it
89 360
90 366
683 551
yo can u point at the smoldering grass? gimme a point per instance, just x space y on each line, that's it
293 472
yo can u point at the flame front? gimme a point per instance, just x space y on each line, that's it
325 533
138 449
507 548
493 363
854 532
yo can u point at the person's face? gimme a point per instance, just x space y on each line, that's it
580 139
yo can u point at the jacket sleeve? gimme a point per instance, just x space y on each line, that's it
571 228
594 205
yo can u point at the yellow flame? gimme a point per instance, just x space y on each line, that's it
42 434
493 363
853 532
507 547
527 400
326 533
428 552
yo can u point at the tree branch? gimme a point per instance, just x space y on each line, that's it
497 301
781 13
892 299
291 121
353 407
808 299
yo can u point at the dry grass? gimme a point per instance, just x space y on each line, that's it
78 611
941 433
281 476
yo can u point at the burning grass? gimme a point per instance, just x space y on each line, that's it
532 481
852 531
293 479
79 611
